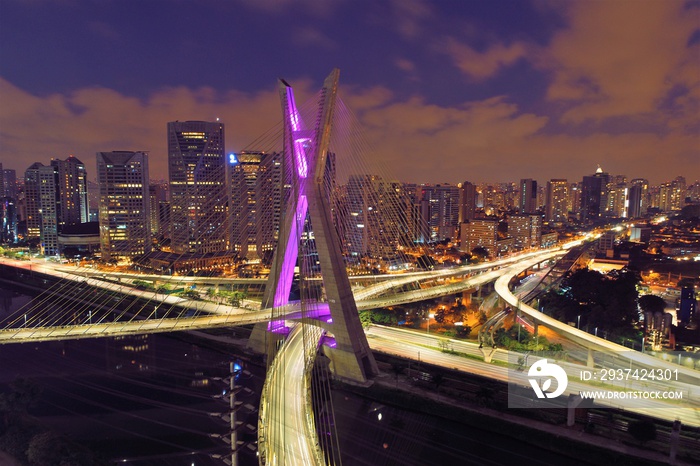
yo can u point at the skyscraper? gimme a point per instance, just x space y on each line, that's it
467 201
72 191
9 182
638 193
31 200
527 200
440 210
49 209
557 205
198 194
124 204
480 233
594 195
256 202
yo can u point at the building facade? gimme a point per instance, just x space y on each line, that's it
124 207
256 203
527 200
198 192
557 204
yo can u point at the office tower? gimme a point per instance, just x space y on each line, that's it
693 192
440 210
557 205
198 193
669 196
617 198
665 197
416 230
526 230
124 204
678 187
158 194
687 304
49 209
373 214
8 220
527 201
31 200
72 186
575 199
256 203
594 195
638 193
9 182
480 233
493 198
520 229
467 202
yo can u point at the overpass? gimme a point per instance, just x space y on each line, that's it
585 339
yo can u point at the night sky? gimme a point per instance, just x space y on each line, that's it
446 91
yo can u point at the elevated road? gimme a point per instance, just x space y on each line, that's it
223 315
585 339
286 431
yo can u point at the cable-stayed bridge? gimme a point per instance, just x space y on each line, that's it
310 303
208 314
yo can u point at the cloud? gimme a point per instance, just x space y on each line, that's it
409 15
484 140
405 65
482 65
310 36
97 119
622 59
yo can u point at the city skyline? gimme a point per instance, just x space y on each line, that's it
442 90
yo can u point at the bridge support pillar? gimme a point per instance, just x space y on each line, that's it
488 353
590 362
571 405
675 436
467 298
536 328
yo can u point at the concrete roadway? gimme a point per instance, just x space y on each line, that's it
424 348
578 336
229 315
286 432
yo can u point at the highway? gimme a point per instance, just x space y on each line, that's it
578 336
286 431
219 314
423 348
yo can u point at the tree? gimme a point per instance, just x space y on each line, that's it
47 448
652 303
480 253
23 395
366 319
463 331
440 316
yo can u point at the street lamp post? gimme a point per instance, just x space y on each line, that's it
430 316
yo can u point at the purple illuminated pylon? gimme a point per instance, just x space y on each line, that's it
291 252
306 153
